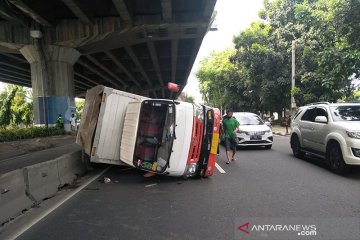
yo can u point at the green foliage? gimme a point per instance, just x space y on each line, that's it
13 134
258 75
5 111
19 106
79 103
216 75
189 99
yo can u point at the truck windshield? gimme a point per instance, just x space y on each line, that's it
155 135
346 113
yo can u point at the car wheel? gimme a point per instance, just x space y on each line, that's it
268 147
335 159
296 148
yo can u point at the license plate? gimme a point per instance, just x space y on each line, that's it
255 137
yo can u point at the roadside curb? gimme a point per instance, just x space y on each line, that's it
24 188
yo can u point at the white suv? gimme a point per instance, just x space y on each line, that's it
330 131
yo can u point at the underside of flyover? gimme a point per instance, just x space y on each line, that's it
132 45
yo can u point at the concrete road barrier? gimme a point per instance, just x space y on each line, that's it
70 167
23 188
13 199
42 180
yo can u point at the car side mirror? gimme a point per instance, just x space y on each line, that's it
321 119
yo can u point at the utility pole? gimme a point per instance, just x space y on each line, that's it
293 104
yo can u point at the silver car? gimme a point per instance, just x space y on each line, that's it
330 131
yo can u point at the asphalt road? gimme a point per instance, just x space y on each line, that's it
268 185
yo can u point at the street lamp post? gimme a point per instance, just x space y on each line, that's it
293 104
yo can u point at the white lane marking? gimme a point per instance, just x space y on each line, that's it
36 220
219 168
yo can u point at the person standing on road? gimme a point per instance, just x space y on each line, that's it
72 121
230 127
60 122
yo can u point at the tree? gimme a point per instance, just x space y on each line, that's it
5 111
217 77
21 106
258 75
189 98
263 67
79 104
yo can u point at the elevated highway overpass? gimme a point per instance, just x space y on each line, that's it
61 48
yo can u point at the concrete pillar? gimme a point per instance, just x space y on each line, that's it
52 79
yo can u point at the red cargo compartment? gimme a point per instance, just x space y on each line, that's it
145 152
149 129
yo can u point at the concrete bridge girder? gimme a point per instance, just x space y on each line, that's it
133 45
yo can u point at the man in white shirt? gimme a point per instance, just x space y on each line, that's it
72 121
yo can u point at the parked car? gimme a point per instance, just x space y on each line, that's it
253 131
330 131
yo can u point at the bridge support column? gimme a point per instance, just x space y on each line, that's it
52 79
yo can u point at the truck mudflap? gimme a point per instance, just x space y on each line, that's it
209 150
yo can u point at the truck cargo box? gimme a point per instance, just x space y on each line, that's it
102 123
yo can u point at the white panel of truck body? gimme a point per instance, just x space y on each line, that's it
181 145
129 133
110 125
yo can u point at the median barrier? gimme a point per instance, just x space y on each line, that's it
70 167
13 199
23 188
42 180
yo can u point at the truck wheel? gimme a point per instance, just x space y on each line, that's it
296 148
335 159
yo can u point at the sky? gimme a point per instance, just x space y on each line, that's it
233 16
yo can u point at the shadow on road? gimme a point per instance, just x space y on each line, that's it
354 173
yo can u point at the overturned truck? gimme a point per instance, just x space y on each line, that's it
155 135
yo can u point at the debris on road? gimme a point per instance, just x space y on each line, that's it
107 180
151 185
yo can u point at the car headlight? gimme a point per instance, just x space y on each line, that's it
267 131
353 134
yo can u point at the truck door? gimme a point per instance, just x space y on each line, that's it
129 133
89 120
148 135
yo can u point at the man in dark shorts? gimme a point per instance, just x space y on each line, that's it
230 127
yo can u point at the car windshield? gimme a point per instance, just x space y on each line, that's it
248 119
346 113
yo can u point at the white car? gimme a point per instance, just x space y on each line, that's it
330 131
253 131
